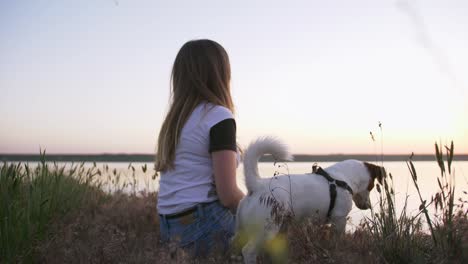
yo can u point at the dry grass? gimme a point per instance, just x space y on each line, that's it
124 228
316 244
117 228
99 227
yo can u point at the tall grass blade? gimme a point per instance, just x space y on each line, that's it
439 159
423 202
450 156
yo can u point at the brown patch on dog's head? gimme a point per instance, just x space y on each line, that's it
376 172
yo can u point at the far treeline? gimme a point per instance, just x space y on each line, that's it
150 157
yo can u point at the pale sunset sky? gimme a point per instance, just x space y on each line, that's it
92 76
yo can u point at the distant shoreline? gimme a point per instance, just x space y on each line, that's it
150 157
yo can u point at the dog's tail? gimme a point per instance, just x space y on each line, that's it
256 149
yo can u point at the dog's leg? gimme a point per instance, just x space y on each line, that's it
276 245
250 250
339 223
257 242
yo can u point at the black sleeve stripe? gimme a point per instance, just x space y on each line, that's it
223 136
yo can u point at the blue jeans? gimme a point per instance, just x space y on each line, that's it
209 227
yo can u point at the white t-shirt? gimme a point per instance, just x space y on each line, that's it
191 181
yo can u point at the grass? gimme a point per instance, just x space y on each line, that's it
400 238
448 224
31 198
397 236
57 214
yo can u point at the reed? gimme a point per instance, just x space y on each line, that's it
31 197
400 238
396 236
448 226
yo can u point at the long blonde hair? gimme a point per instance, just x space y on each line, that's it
201 72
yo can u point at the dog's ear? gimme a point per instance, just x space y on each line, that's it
376 172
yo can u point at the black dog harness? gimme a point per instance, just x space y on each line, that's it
332 183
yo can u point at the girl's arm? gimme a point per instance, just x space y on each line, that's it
224 168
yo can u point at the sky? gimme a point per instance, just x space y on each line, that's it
93 76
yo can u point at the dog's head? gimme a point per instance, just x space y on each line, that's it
361 199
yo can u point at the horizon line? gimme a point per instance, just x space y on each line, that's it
146 153
142 157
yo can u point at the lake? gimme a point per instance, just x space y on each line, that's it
130 177
428 171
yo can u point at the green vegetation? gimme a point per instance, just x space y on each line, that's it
31 198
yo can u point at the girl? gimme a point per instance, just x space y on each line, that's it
197 152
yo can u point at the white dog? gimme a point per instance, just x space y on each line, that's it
269 200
